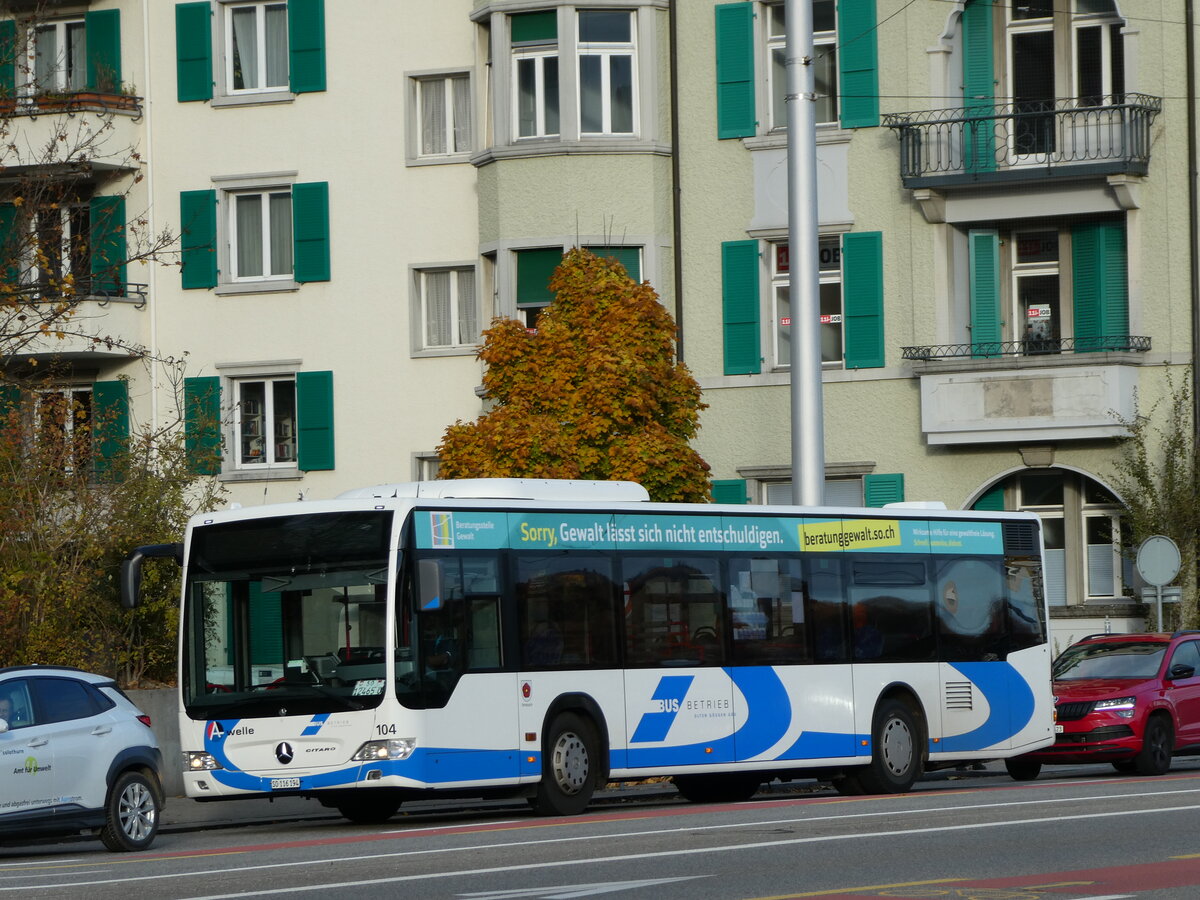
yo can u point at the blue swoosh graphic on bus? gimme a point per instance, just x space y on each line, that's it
1010 706
768 708
669 694
315 725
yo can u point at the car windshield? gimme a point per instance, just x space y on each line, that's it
1110 659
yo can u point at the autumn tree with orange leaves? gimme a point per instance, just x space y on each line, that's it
594 393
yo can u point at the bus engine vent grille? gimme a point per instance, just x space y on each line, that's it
959 695
1020 539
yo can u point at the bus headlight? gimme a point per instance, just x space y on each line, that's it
199 761
393 749
1122 706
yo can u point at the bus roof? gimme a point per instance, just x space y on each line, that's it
507 489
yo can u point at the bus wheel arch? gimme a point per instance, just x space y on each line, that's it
586 706
570 765
898 744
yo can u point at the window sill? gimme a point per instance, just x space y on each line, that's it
240 475
438 352
264 99
777 140
257 287
587 147
445 159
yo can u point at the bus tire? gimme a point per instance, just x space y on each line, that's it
895 750
1022 769
570 763
372 808
734 787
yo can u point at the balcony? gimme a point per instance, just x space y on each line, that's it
1024 142
1027 391
70 133
100 321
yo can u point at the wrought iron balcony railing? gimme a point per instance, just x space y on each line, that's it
101 292
1011 349
1017 141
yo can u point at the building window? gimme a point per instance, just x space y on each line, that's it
1035 288
60 255
449 308
830 265
260 228
1099 54
1081 530
534 271
824 63
534 38
256 47
444 114
57 57
62 419
838 492
606 72
265 422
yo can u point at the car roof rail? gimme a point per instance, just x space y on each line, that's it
1088 637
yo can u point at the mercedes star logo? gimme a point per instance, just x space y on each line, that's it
284 753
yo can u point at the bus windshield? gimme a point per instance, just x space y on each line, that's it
287 613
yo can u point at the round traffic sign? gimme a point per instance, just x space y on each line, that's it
1158 560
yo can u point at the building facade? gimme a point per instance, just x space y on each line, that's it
1006 247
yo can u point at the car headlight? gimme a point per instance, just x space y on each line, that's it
401 748
1122 706
199 761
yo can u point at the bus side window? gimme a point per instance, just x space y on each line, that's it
766 607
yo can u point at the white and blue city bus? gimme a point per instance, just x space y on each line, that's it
538 638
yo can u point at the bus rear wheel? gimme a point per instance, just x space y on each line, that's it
732 788
896 751
569 767
369 809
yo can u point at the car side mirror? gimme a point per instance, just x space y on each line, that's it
3 726
1179 671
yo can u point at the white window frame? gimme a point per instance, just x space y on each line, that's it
1042 269
1103 21
780 284
824 52
461 340
607 51
452 128
64 80
261 48
65 210
266 442
231 197
539 55
72 393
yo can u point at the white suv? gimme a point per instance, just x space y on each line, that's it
76 755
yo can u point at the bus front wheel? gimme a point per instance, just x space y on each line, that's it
569 767
896 751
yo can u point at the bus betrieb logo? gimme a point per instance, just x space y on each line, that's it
666 701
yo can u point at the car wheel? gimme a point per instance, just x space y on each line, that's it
568 767
131 813
1157 743
732 788
1022 769
373 808
896 753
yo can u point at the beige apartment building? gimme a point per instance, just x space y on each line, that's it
1005 203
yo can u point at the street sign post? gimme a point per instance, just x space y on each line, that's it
1158 562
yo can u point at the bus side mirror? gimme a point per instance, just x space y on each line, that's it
131 569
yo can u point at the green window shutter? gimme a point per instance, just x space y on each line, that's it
103 31
858 63
306 45
310 230
740 307
202 424
979 86
992 500
881 489
266 626
8 57
10 404
984 266
110 409
729 490
108 245
198 240
533 26
314 421
12 244
535 268
735 70
193 51
1100 285
629 257
862 299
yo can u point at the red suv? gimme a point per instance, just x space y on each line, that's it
1129 699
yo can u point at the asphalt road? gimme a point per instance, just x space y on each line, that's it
1073 833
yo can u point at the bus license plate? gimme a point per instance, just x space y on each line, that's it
1058 729
282 784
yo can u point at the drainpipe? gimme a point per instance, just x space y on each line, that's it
1193 223
676 214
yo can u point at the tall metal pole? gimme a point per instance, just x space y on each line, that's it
808 419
